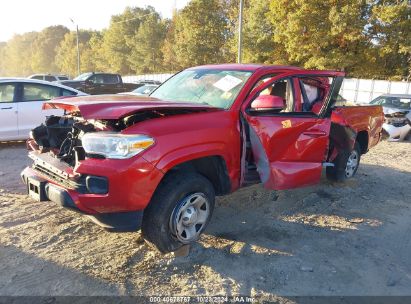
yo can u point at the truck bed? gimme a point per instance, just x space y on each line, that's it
361 118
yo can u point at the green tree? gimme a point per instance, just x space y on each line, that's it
44 48
258 45
3 46
93 57
390 32
118 39
18 55
321 34
168 48
200 33
146 54
66 55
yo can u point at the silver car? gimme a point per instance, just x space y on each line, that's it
397 111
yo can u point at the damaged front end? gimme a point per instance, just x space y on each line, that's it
60 137
84 160
397 126
71 138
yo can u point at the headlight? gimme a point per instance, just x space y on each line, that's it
115 146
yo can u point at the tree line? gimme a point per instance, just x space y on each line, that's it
365 38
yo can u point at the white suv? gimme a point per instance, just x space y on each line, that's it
48 77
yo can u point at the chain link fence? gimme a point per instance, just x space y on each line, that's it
365 90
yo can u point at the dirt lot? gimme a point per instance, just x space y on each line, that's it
331 239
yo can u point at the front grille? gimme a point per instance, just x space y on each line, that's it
57 171
65 182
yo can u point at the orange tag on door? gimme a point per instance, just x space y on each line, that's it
286 123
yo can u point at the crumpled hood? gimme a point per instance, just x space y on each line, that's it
117 106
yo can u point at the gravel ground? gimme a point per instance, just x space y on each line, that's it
330 239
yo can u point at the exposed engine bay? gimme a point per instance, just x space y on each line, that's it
61 135
397 119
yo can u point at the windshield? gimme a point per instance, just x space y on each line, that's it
82 76
393 102
217 88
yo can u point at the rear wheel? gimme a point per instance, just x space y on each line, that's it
179 211
345 164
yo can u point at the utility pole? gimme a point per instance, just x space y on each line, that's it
78 48
240 31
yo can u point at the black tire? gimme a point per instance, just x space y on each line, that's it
156 227
338 172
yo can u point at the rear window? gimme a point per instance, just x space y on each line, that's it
110 78
34 92
402 103
68 93
50 78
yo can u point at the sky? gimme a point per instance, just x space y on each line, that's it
20 16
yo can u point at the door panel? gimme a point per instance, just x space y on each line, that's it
290 146
8 112
8 121
289 151
30 104
32 115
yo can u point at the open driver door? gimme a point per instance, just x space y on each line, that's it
290 144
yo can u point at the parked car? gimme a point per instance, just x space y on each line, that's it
144 81
144 90
49 77
158 162
21 102
397 110
100 83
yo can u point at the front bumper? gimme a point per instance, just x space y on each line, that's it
396 133
41 190
130 182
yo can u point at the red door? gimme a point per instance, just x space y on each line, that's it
288 146
288 151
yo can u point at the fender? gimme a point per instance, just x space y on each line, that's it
184 154
188 153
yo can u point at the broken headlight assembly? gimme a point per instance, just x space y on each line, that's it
114 145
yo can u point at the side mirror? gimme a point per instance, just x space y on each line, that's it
89 81
268 102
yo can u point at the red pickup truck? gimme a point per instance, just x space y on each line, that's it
158 162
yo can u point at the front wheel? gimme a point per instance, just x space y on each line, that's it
345 164
179 211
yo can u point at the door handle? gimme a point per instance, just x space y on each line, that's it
8 108
315 133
